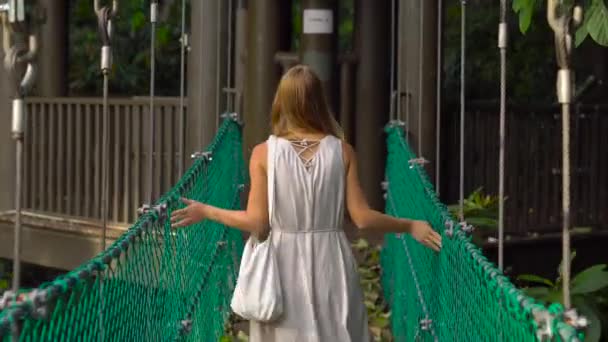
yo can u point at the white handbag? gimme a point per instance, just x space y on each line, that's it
257 295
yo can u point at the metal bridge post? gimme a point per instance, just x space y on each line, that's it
562 18
20 45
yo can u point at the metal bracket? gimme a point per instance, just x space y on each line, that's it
206 156
543 322
417 161
185 41
104 26
7 298
160 209
466 228
425 324
232 116
186 326
396 123
15 9
38 299
153 11
234 100
20 42
384 185
502 35
575 320
449 228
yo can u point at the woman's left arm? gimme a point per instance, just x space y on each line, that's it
253 220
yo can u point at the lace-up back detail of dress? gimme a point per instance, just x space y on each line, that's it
306 150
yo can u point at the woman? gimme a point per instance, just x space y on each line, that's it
314 173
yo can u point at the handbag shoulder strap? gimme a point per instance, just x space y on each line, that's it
272 147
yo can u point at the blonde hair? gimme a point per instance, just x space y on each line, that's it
300 103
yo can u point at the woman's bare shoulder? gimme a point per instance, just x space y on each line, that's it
259 154
348 153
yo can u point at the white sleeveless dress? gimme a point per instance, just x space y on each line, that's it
322 297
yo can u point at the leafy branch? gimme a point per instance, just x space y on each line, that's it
595 23
589 291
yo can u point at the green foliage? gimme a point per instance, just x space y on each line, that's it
5 276
131 50
479 210
369 271
589 292
529 67
233 333
594 25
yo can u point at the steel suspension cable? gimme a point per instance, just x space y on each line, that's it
392 115
502 45
152 123
104 18
420 77
463 16
397 29
182 82
438 96
408 94
229 93
218 55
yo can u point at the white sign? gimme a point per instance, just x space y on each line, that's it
318 21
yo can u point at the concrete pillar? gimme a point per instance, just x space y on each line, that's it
206 71
52 77
372 45
319 44
263 42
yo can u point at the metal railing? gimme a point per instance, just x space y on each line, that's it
63 157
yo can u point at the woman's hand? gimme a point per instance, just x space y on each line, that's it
194 212
423 233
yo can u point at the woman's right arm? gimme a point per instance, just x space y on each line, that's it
364 217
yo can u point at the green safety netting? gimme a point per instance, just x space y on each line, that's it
153 283
456 295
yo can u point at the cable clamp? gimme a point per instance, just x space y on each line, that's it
467 228
502 35
417 161
39 304
384 185
396 123
577 321
543 322
449 228
159 209
233 117
186 326
206 156
7 298
185 41
153 11
425 324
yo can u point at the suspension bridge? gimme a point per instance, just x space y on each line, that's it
154 283
157 284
